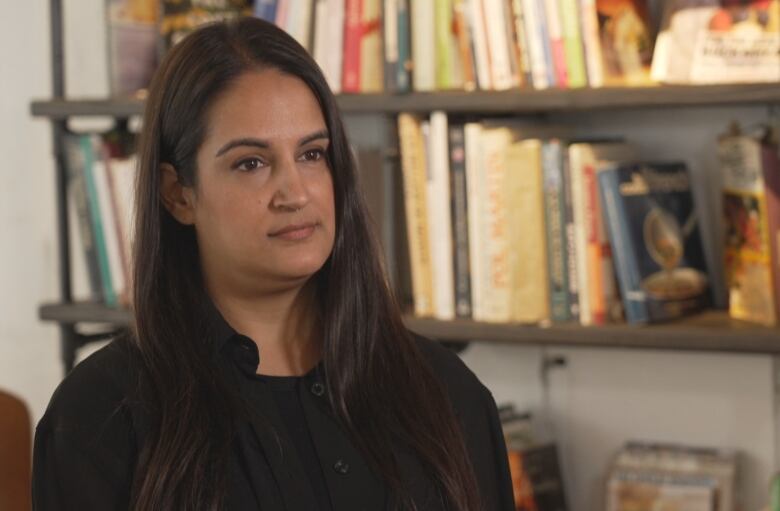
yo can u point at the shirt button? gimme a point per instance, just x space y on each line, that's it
341 467
318 389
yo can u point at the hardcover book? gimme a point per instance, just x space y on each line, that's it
654 232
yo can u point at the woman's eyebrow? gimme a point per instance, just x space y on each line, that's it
264 144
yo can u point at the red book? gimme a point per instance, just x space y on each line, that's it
350 81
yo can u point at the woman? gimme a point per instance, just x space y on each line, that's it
268 367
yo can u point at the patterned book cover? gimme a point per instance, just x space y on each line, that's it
626 42
749 232
654 232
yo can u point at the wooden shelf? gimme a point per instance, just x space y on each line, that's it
709 331
515 101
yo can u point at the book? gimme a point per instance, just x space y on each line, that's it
440 218
718 41
572 43
749 165
180 17
266 9
476 19
77 188
498 42
423 20
351 67
526 242
626 42
472 134
654 233
460 221
591 43
555 232
371 54
329 34
414 167
555 41
132 29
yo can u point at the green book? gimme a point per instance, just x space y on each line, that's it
572 42
443 52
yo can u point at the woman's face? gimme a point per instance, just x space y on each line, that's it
263 205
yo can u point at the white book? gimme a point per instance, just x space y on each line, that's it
107 217
532 19
498 44
472 134
440 218
329 40
591 43
476 20
123 173
423 45
298 22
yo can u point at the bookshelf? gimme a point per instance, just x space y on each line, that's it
711 331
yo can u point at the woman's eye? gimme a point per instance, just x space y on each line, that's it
313 155
248 164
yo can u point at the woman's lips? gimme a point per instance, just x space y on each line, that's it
294 232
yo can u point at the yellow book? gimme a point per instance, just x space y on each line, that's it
413 167
527 247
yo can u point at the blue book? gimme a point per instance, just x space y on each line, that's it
266 9
654 233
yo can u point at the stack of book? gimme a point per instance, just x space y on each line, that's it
513 222
647 476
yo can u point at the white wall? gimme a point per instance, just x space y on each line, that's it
601 398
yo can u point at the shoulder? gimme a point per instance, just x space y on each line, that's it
461 384
94 395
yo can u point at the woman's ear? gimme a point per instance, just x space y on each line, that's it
177 198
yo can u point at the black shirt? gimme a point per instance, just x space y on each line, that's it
87 443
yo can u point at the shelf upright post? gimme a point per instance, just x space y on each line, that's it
69 340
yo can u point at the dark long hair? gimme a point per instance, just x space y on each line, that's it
381 388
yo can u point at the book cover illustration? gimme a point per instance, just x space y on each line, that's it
747 228
654 233
719 41
626 42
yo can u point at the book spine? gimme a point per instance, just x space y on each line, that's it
555 231
521 42
572 41
555 38
597 301
391 33
441 220
571 245
282 13
97 223
479 37
423 46
371 58
527 246
545 41
580 232
460 223
350 81
498 45
591 43
413 168
118 218
403 70
473 141
80 194
464 45
443 33
536 45
634 298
